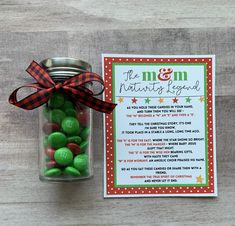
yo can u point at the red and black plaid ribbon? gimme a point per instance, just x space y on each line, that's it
73 87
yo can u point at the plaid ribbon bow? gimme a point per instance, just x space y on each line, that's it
73 87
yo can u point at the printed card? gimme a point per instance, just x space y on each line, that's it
160 139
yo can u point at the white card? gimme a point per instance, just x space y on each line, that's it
160 139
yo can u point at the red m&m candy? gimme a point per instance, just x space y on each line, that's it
74 148
49 127
50 152
83 118
51 164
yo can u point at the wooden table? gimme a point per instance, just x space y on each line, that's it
84 29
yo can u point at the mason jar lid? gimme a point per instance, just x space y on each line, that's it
62 68
65 62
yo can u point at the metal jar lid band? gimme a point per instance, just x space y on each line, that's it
62 68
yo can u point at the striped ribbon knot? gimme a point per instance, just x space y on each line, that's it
74 87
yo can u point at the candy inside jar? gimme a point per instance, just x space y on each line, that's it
66 138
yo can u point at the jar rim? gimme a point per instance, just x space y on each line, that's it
65 62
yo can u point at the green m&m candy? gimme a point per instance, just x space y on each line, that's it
74 139
56 101
84 145
56 116
80 129
67 105
63 156
85 133
52 172
72 171
57 140
70 125
80 162
70 112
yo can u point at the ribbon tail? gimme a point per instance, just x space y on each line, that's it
32 101
90 101
97 104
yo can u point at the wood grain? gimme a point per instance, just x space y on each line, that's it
218 41
82 203
40 29
86 16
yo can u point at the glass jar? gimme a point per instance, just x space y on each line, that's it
65 136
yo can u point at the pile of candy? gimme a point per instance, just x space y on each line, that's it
66 138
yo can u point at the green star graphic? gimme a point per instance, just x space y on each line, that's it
147 100
188 100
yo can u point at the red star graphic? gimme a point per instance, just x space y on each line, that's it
175 100
134 100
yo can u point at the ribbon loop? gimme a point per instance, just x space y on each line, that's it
74 87
40 75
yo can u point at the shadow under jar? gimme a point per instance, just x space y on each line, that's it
65 136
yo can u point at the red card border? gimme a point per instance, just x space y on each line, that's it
139 191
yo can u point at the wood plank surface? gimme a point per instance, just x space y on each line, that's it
85 29
93 15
